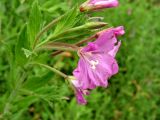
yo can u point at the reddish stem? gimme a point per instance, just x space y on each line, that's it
77 44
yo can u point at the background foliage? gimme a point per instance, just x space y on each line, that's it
134 93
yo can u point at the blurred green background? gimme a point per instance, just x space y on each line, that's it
133 94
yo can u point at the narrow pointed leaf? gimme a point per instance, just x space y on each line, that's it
22 42
34 23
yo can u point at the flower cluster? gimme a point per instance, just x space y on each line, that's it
97 60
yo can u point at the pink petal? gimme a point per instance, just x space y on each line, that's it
114 51
106 41
80 98
119 31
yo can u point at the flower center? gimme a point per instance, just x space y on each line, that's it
86 56
94 63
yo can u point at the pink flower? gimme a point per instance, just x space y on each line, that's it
98 4
97 62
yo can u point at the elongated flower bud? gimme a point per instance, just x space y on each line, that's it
95 25
92 5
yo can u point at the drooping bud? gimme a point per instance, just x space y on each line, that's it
92 5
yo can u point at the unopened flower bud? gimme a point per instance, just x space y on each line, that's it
95 25
92 5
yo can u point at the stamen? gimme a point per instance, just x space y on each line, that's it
94 64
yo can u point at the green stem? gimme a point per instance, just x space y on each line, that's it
55 48
58 46
53 69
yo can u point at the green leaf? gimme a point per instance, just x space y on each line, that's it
34 23
35 82
46 93
68 21
21 43
24 102
18 115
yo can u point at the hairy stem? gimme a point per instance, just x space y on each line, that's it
59 46
53 69
77 44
